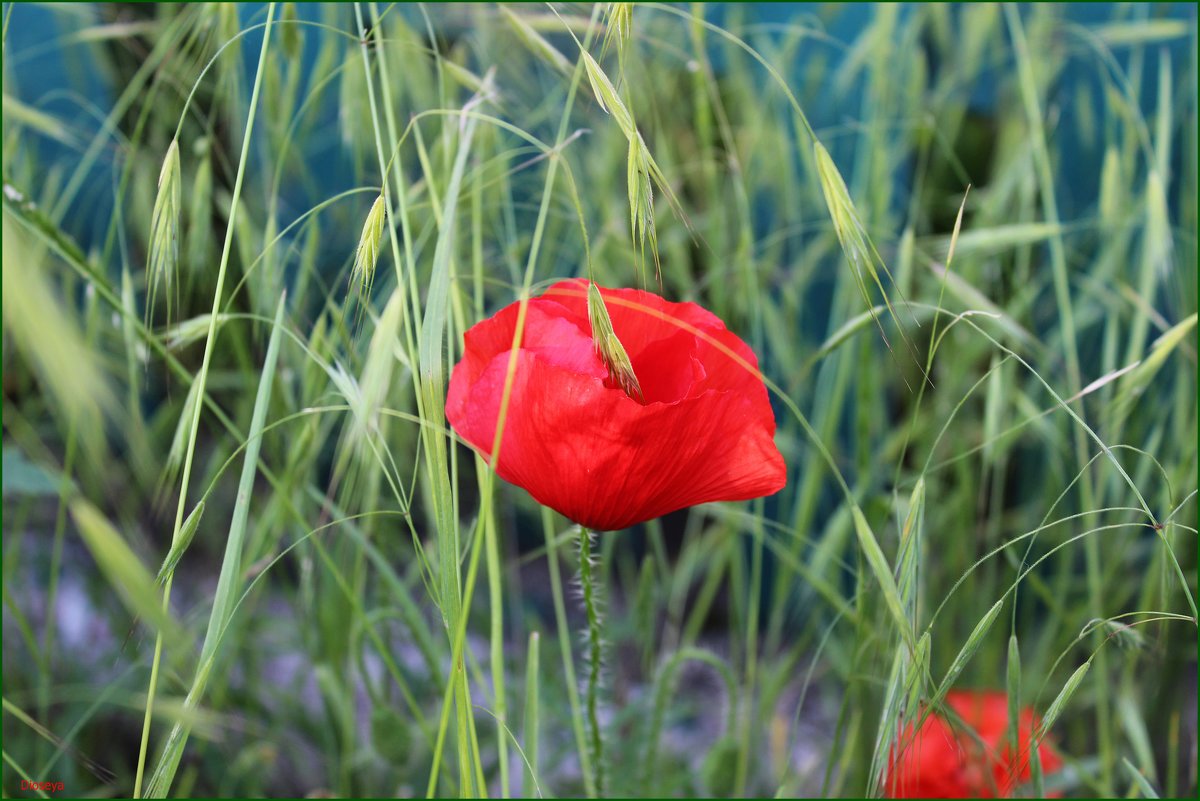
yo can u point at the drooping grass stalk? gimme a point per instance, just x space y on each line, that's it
591 603
202 378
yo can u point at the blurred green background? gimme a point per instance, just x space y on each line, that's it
751 648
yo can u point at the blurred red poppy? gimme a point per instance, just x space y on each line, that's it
701 430
945 761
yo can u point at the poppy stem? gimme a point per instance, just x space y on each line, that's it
590 603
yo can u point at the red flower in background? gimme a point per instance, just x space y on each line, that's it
701 431
945 761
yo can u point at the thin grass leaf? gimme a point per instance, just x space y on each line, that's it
663 688
198 244
45 333
883 574
1139 780
179 441
1012 685
1134 383
122 569
1160 241
972 298
1141 32
432 371
190 331
45 124
465 77
919 673
993 405
535 42
496 610
848 329
99 771
1112 186
1134 724
291 35
909 552
532 718
894 697
20 771
354 115
983 242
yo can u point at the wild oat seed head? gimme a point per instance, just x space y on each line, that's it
609 347
620 25
164 229
607 97
366 256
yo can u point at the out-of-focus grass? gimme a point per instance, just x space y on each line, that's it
992 462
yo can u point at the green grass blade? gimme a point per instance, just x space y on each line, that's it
229 582
883 574
123 569
532 719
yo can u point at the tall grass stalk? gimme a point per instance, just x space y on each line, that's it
202 379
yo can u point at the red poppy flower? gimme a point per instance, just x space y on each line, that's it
701 431
945 761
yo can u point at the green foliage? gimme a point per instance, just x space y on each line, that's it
1020 468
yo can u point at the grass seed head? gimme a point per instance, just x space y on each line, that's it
619 27
641 201
366 256
607 97
609 347
164 229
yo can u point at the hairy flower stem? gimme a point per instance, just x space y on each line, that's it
593 643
